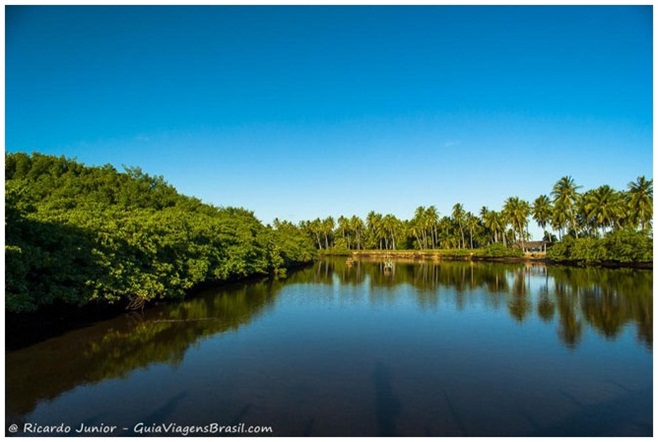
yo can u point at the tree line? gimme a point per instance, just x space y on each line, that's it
590 214
78 235
565 213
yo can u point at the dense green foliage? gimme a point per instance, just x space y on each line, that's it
621 246
77 234
500 251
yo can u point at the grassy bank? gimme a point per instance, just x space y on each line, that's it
479 254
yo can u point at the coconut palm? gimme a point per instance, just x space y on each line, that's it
517 211
314 228
418 226
358 227
390 226
471 223
374 222
328 225
446 239
640 202
602 207
559 219
542 211
432 219
565 195
344 229
458 216
493 221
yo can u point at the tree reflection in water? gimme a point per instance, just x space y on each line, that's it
604 300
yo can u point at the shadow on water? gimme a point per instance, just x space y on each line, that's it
387 404
240 416
455 415
165 412
308 427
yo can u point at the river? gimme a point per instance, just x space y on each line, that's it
358 349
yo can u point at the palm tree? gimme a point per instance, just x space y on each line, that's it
374 222
493 221
327 229
314 229
358 227
390 225
458 216
640 202
344 229
446 239
542 211
559 220
517 211
484 215
565 195
418 227
472 223
602 207
432 219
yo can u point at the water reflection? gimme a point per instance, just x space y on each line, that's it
603 300
113 349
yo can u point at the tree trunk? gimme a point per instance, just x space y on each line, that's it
420 244
521 238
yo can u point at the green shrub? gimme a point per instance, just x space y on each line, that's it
588 250
561 251
624 246
629 246
498 250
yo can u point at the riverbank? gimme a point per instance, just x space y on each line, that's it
476 255
27 328
437 254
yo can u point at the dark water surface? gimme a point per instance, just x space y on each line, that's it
424 349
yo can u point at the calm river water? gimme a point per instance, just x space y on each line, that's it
422 349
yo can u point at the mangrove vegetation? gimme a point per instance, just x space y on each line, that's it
78 235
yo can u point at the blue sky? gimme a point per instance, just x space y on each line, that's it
304 112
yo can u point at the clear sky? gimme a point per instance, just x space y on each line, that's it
304 112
